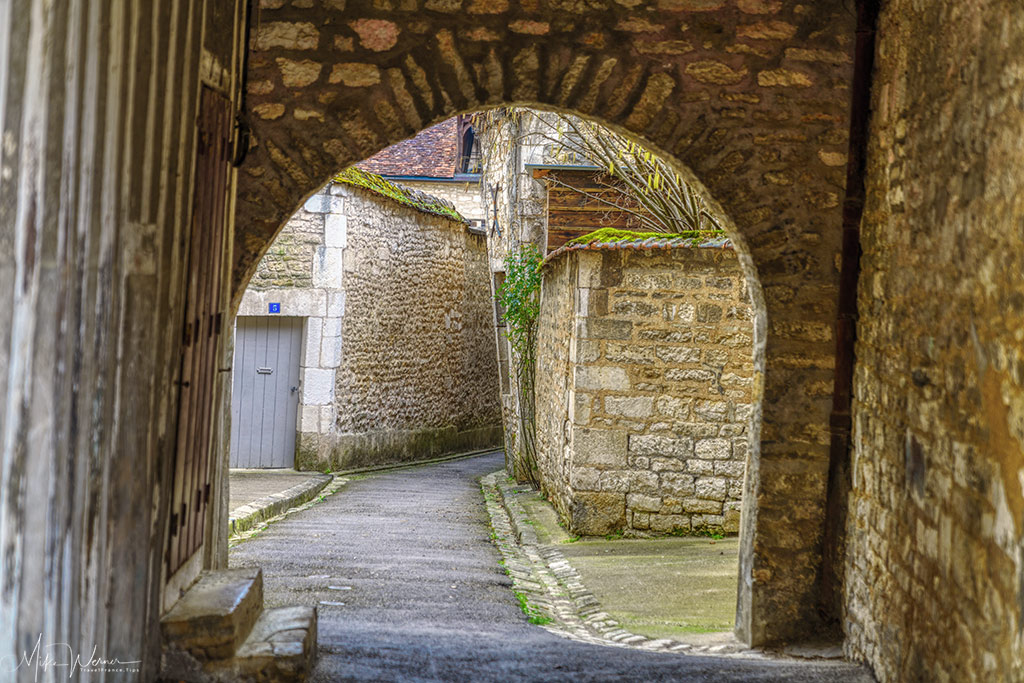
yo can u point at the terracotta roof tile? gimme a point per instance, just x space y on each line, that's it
431 154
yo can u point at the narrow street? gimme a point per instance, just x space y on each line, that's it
409 588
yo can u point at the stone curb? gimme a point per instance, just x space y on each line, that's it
249 515
550 583
416 463
332 487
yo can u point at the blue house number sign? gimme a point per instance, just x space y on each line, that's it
275 308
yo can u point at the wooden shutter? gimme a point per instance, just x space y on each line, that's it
200 330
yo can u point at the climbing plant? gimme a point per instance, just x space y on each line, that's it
634 180
519 297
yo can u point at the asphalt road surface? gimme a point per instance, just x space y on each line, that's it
408 587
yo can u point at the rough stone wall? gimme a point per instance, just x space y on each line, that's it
397 361
288 261
935 554
98 105
554 390
645 375
418 374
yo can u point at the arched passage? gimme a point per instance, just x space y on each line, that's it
718 87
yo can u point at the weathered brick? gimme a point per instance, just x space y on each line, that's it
298 73
711 488
602 328
354 74
643 503
300 35
601 377
677 484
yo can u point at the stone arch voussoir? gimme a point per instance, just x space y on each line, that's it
750 95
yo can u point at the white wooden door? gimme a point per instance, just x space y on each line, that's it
265 391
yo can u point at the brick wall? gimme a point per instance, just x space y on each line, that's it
645 374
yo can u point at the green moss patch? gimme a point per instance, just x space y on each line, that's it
421 201
612 235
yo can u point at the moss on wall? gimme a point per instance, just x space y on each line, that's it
421 201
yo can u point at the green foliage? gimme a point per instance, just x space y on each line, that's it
611 235
634 180
533 614
519 297
403 195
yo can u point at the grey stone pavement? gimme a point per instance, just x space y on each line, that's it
248 486
407 582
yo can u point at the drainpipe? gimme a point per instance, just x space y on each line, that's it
831 596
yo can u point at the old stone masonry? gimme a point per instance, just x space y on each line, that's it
864 158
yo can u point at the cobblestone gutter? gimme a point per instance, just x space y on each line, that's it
551 584
543 575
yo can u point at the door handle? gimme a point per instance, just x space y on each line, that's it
264 371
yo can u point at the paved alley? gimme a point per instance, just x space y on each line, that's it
408 586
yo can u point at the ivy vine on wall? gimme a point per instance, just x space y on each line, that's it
519 297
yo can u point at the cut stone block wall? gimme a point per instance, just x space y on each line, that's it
397 361
644 389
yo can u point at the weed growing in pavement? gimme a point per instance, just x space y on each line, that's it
571 539
533 614
713 534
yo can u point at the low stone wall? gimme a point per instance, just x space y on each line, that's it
643 392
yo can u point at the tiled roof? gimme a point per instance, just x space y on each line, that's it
431 154
421 201
667 242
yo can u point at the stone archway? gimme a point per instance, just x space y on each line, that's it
751 96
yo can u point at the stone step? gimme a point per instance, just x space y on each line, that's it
216 615
281 647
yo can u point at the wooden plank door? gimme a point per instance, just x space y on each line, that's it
200 330
265 391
